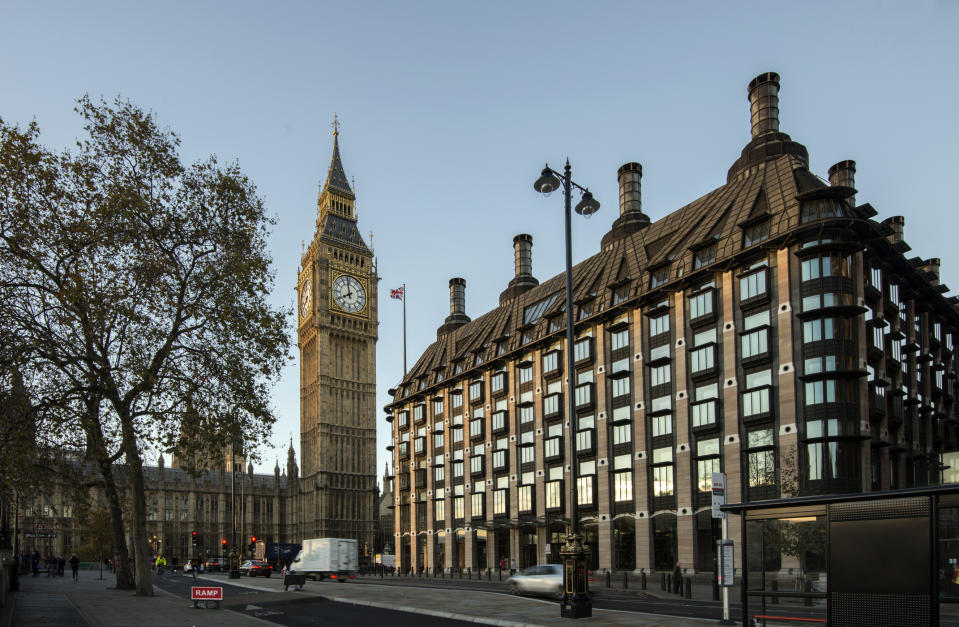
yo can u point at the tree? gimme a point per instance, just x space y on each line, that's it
141 286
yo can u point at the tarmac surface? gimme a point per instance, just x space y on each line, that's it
91 601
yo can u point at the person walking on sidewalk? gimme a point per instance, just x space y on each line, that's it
194 567
512 567
677 579
60 564
75 566
160 564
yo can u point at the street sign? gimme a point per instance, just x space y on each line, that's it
206 593
719 494
726 566
548 551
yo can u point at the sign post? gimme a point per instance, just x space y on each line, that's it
724 547
206 593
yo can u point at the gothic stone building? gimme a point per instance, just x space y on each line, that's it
772 330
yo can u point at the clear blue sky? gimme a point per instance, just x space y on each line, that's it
450 109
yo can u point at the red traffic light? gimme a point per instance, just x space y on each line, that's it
194 534
252 538
223 541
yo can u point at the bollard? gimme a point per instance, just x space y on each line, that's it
775 588
607 579
625 581
642 578
488 574
667 582
807 587
469 573
501 574
715 580
689 587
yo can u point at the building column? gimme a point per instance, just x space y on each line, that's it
644 548
604 536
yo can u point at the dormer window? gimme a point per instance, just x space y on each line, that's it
659 276
755 233
585 310
535 311
704 256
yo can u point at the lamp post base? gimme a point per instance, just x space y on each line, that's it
576 602
579 606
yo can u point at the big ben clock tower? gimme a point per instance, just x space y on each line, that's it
337 332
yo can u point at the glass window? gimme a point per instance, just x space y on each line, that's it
533 312
620 387
619 339
752 285
622 434
755 343
755 233
659 352
702 359
659 325
757 319
707 336
701 304
659 375
663 480
704 256
581 349
623 486
658 277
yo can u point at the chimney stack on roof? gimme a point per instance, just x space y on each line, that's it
631 217
523 258
764 104
843 174
457 317
630 177
932 265
457 296
898 224
523 252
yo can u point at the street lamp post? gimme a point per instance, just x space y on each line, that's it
576 602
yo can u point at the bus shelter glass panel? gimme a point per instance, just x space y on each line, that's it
786 563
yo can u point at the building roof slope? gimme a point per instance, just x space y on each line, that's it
769 189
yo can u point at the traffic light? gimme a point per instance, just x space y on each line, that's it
195 542
252 545
223 544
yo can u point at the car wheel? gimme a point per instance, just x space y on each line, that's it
558 595
252 574
268 575
513 589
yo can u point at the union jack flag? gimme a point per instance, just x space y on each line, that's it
397 293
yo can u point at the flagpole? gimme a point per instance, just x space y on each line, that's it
404 330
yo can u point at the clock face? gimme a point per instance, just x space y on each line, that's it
349 294
306 299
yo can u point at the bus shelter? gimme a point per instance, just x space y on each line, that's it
885 558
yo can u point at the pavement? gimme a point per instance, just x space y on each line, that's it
91 601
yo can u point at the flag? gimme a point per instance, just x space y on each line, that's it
397 293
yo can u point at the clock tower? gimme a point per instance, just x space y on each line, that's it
336 333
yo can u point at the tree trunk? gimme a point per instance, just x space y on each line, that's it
97 448
141 550
123 571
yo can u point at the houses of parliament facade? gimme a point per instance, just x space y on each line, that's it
332 491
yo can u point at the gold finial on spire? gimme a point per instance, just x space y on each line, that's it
336 125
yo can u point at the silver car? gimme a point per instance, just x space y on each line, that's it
545 580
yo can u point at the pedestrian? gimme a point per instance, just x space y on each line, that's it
512 567
75 566
60 564
502 564
35 562
194 567
160 564
677 579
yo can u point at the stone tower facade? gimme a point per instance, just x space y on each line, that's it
337 333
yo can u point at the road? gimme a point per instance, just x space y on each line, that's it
293 611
